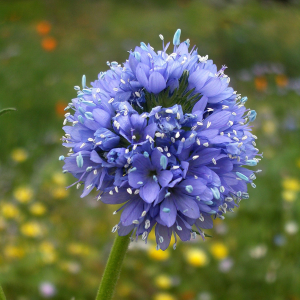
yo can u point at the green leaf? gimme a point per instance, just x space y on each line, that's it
181 96
5 110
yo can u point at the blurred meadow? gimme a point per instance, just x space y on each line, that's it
53 244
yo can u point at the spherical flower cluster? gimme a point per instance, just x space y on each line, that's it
164 136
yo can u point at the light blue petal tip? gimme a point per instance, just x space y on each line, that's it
242 176
144 46
252 115
80 119
166 210
79 160
61 157
176 39
189 188
216 193
163 162
83 81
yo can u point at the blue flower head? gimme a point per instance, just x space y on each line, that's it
165 136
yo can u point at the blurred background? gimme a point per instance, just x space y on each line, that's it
53 244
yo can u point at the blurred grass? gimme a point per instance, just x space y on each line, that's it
73 236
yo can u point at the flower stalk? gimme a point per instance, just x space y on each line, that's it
113 268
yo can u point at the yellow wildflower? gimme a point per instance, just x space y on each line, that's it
269 127
60 193
219 250
78 249
38 209
11 251
48 252
196 257
163 296
289 196
123 290
292 184
59 179
31 229
9 210
158 254
19 155
23 194
163 281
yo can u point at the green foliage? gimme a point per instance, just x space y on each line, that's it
73 243
181 96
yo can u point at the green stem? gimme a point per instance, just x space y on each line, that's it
2 296
113 268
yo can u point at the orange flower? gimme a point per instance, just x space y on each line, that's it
281 80
49 43
43 27
60 108
261 83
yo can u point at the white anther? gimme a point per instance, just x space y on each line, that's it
116 189
111 192
160 149
214 161
147 224
144 213
78 185
208 124
222 133
136 191
172 140
135 222
177 135
175 167
144 235
233 113
95 172
169 111
129 191
90 139
205 144
225 106
195 157
111 100
198 142
82 145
